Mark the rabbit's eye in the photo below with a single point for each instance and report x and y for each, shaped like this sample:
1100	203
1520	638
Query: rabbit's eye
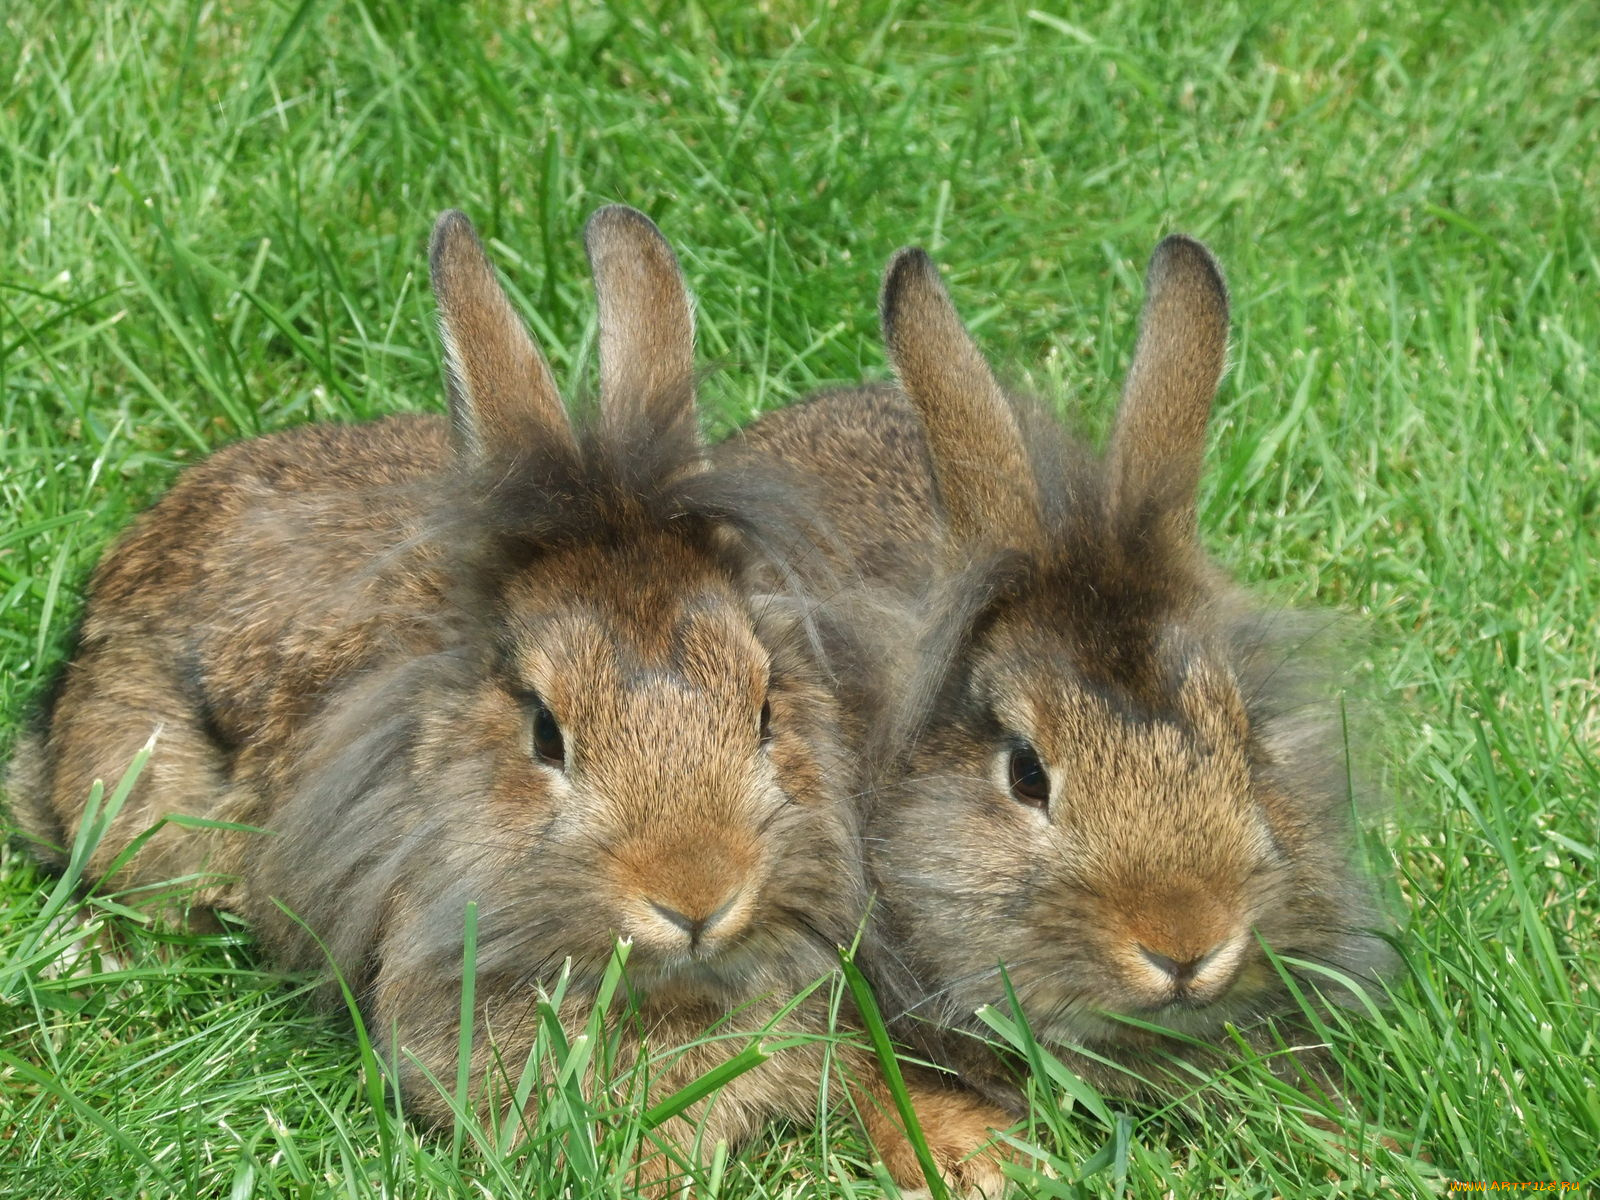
546	734
1030	782
766	722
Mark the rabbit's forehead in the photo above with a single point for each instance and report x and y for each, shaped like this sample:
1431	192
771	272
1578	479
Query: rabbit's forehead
1106	743
705	646
1031	673
1097	743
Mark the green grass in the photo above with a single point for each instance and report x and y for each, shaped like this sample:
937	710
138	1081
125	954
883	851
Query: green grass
214	219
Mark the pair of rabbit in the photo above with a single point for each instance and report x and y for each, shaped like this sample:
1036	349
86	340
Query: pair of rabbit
579	676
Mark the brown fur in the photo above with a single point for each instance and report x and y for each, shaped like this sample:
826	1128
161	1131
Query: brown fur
496	398
343	637
978	456
877	502
1160	436
1198	802
951	1126
646	343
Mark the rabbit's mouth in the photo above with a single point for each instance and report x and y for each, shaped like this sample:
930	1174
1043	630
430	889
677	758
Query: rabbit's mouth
1105	1019
712	974
754	964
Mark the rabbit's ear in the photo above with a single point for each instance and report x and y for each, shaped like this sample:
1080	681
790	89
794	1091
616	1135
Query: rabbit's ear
1160	434
985	478
646	322
501	389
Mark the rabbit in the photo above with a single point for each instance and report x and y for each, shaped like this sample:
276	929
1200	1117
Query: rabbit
509	659
1107	778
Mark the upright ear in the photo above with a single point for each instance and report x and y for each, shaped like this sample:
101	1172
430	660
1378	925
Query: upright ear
501	388
646	322
985	478
1160	434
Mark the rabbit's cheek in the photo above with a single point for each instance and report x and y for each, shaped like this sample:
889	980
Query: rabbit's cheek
529	795
518	790
788	773
1256	978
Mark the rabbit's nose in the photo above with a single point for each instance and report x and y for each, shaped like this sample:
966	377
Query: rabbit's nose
1180	972
699	924
1194	972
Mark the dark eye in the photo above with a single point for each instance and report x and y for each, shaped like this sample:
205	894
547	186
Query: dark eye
766	722
1030	782
545	733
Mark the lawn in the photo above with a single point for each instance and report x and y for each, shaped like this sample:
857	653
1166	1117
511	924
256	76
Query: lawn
214	219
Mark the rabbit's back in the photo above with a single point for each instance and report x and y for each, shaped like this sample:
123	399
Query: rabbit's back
864	455
218	622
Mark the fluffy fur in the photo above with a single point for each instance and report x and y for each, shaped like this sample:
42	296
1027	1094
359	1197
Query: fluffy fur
499	661
1195	802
